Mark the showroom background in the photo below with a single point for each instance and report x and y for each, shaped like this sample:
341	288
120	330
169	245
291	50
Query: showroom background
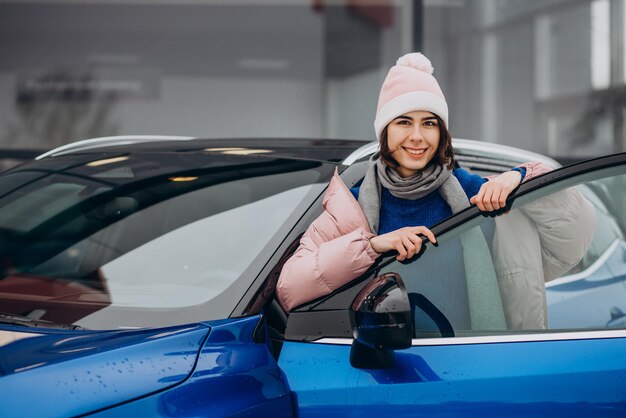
546	75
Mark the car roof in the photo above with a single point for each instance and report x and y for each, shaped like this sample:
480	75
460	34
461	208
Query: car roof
323	150
477	155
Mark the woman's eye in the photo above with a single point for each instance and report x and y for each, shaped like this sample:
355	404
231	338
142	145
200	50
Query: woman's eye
430	123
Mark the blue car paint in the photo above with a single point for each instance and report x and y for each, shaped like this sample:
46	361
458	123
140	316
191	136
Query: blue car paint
55	373
234	376
483	380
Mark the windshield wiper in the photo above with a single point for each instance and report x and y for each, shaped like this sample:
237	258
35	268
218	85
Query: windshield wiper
9	318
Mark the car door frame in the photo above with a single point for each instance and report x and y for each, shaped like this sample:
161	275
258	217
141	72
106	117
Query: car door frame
322	328
303	316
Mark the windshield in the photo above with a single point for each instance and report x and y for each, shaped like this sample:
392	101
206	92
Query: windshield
112	246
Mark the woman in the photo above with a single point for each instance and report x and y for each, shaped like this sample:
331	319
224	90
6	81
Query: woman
410	186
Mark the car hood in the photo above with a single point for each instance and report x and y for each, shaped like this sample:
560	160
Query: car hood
75	372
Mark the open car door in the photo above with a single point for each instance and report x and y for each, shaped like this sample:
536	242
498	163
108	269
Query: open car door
515	315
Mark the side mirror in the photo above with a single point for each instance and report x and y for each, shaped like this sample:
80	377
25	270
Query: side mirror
381	322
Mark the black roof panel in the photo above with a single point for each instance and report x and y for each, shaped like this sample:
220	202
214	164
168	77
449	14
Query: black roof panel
311	149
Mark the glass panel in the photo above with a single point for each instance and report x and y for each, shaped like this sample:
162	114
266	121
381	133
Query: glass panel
568	65
149	253
554	262
593	293
580	133
543	75
442	275
499	11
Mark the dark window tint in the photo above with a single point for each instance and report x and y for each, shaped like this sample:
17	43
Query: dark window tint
158	251
554	262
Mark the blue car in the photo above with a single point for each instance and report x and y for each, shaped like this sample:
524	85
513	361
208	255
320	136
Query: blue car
137	279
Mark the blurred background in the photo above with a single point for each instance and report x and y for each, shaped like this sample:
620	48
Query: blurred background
545	75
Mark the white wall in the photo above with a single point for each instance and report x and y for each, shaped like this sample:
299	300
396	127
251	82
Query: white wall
222	107
351	106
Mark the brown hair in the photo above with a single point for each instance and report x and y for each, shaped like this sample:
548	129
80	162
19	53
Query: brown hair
444	155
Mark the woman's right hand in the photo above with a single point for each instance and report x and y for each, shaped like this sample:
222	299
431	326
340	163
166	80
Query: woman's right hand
406	241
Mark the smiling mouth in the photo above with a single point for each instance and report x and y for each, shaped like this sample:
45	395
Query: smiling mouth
415	151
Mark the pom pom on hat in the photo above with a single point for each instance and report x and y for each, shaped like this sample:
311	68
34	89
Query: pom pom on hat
416	60
408	87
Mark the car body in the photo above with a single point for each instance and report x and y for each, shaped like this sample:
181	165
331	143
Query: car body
138	277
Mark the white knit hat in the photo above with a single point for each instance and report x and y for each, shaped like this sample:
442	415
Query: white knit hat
408	87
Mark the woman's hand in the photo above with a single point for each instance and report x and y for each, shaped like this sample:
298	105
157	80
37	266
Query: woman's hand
493	194
406	241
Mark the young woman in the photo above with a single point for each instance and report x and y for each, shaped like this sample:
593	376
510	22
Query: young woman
411	185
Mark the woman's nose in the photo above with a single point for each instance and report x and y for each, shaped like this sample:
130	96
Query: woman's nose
416	134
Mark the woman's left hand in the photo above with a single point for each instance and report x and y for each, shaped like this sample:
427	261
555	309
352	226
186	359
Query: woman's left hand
493	194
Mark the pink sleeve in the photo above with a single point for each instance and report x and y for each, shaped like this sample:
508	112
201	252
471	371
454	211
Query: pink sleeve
534	169
323	262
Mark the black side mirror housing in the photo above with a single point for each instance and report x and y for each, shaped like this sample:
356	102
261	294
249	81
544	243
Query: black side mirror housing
381	322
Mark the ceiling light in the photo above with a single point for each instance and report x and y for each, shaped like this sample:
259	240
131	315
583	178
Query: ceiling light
181	178
106	161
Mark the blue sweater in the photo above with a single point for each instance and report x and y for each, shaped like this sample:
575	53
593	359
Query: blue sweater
428	211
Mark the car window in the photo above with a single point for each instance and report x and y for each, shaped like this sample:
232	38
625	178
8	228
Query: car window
554	262
152	252
10	181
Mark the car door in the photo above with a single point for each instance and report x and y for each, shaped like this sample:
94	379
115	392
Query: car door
490	337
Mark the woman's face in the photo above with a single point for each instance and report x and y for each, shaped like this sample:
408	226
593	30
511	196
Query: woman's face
413	139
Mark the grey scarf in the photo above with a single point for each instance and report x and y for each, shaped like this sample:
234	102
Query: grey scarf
483	292
432	178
